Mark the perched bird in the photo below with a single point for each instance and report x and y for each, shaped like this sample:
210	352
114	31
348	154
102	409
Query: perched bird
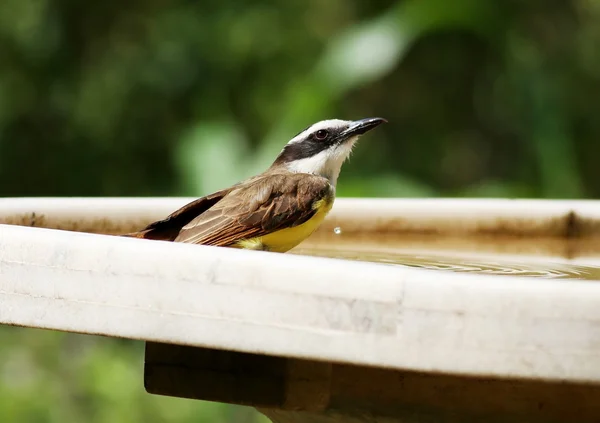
277	209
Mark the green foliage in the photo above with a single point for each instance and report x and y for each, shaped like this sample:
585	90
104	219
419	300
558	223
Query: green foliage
54	377
140	99
175	97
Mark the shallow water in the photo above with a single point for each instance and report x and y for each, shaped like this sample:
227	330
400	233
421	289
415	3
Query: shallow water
553	259
492	265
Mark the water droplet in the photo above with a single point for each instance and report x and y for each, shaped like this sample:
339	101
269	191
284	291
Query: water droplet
337	230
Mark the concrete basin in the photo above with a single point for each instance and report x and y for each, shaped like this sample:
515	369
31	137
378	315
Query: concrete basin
395	310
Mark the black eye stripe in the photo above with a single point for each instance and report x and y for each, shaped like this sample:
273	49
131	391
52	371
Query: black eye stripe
307	147
304	149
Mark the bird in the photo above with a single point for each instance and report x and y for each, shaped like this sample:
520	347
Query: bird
275	210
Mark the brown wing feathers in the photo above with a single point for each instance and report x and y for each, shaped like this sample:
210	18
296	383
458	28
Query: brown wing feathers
255	208
270	203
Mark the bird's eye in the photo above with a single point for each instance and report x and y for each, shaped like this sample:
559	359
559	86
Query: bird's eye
321	134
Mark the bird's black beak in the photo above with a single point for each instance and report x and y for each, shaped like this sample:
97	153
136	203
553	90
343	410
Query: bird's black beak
359	127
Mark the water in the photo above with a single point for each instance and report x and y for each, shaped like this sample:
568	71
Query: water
551	258
491	265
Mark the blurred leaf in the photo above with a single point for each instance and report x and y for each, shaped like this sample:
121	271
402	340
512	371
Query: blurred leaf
211	156
360	55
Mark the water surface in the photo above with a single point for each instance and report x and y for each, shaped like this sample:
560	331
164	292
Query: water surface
541	258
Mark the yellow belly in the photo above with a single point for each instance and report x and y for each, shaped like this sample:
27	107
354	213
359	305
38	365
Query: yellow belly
286	239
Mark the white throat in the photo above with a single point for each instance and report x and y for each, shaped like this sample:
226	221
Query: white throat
326	163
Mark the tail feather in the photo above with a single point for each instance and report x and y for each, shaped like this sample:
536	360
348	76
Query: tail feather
168	228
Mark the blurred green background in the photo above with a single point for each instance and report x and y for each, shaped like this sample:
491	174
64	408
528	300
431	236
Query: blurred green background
179	97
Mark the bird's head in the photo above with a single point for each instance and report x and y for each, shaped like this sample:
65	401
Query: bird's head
322	148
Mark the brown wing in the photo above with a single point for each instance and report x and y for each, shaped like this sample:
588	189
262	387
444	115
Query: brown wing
266	204
168	228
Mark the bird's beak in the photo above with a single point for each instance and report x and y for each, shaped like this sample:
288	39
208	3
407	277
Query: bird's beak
359	127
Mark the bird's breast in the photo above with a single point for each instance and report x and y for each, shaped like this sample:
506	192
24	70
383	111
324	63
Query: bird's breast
285	239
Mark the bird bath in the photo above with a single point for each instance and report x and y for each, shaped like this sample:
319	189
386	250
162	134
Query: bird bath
416	311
